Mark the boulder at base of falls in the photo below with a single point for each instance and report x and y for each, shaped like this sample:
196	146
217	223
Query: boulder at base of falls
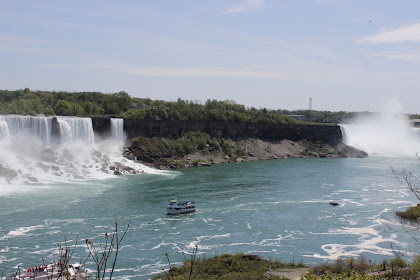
7	173
117	172
32	179
348	151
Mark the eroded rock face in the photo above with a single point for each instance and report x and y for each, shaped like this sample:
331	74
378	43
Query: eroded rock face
252	149
56	132
348	151
330	134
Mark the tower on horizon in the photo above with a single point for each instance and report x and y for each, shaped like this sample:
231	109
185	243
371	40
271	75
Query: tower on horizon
310	103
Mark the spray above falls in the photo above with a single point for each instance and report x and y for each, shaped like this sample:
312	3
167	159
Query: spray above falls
60	149
383	134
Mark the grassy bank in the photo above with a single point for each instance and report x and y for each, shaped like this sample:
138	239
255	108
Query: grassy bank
226	266
241	266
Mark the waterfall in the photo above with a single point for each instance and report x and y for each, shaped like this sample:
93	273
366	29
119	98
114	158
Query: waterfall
4	129
386	137
39	149
72	128
22	126
117	131
75	129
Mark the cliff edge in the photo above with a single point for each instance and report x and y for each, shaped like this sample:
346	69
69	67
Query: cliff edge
168	144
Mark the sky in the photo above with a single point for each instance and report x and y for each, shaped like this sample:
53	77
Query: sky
353	55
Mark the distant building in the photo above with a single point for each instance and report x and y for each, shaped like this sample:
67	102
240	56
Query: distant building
298	117
415	122
134	106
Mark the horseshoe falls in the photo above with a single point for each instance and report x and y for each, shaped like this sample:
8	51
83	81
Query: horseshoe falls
383	135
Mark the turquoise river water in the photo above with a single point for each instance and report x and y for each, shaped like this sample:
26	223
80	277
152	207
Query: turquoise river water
276	209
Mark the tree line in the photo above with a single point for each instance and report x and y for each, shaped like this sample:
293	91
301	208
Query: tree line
211	110
121	104
27	102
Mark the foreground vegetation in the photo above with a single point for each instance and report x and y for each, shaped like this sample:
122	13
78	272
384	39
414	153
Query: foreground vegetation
242	266
361	269
411	214
226	266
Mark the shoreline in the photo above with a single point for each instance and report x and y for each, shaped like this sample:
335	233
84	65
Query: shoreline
251	149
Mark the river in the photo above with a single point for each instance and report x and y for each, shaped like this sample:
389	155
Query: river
276	209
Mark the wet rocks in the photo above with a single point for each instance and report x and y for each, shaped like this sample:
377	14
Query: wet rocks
8	173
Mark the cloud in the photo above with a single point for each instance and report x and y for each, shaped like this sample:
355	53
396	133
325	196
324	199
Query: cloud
409	33
193	72
20	40
407	56
245	7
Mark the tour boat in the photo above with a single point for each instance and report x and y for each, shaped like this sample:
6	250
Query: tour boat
175	207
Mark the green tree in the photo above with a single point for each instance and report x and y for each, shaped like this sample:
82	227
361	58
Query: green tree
63	108
48	111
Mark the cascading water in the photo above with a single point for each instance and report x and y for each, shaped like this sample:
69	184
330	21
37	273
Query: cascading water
383	134
59	149
4	129
75	129
22	126
117	131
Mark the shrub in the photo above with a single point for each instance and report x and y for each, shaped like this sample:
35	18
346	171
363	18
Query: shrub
412	213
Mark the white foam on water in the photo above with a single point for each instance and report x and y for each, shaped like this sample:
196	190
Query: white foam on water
209	237
325	217
253	243
354	202
368	242
207	221
47	252
24	231
4	259
161	244
258	252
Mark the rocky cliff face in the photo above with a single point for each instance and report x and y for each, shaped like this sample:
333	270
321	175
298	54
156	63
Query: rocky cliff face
246	141
101	126
329	134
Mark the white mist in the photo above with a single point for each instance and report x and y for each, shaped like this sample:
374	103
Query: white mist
29	155
385	134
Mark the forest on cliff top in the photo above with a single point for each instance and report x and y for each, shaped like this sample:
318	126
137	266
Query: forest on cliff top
121	104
